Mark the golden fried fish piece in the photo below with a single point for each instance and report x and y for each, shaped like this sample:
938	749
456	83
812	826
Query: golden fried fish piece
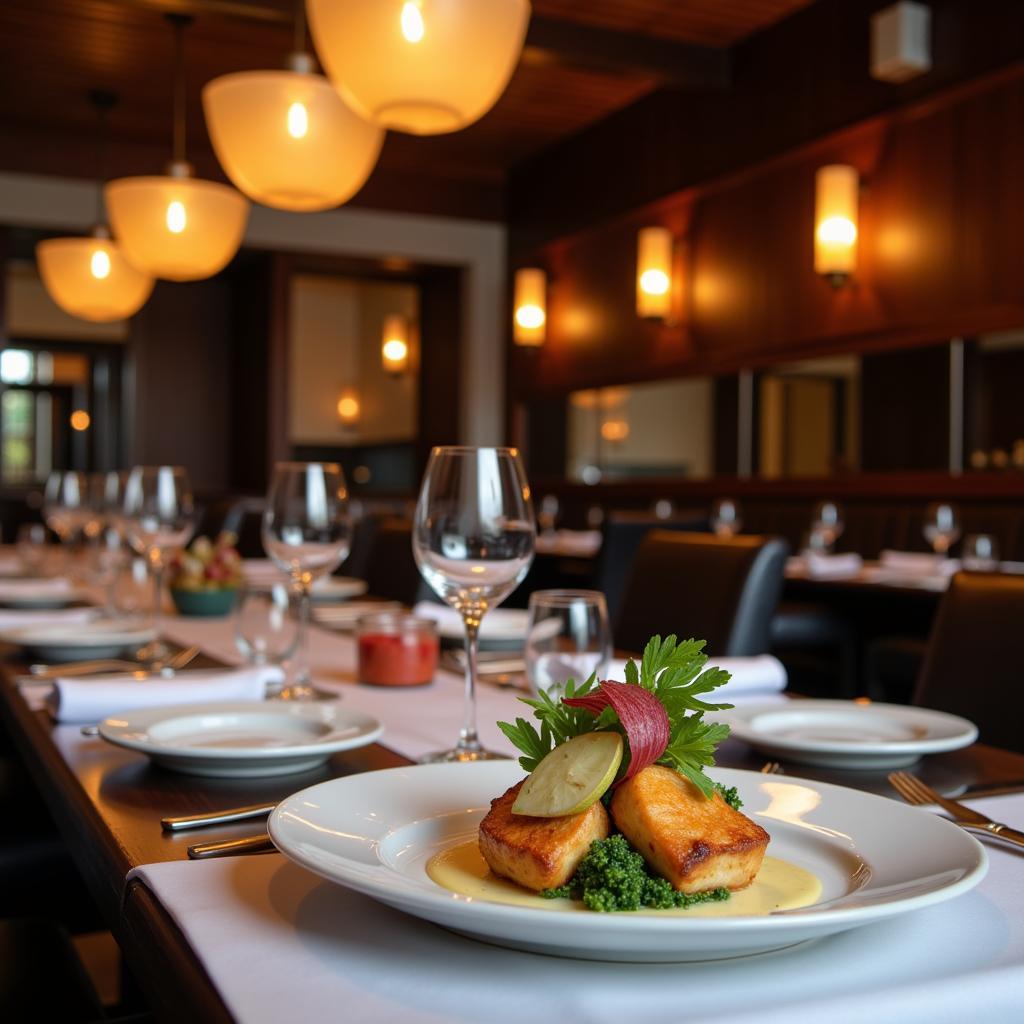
696	843
538	853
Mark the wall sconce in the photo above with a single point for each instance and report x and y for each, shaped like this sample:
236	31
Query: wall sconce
530	304
394	345
348	409
615	431
654	273
835	222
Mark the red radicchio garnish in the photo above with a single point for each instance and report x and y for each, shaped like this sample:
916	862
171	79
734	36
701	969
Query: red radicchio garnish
642	715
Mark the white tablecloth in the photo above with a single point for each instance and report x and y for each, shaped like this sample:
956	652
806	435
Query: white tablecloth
281	945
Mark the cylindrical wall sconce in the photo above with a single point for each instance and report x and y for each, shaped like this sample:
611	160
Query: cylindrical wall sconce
654	273
835	222
394	344
530	307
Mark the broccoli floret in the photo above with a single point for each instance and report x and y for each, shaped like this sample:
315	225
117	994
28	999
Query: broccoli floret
731	795
613	876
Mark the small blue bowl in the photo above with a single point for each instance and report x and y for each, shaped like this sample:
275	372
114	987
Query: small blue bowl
204	602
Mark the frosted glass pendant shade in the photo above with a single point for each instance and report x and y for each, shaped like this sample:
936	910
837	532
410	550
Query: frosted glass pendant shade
178	228
90	278
420	66
286	139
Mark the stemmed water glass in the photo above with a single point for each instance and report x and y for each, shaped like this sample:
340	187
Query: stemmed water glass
307	533
266	631
159	517
826	525
473	540
567	636
726	518
941	527
104	554
65	499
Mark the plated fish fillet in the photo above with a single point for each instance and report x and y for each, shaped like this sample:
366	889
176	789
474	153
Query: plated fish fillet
538	853
696	843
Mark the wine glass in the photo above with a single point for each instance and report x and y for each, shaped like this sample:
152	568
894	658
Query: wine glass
567	636
266	631
473	540
158	521
941	527
980	553
307	533
65	499
547	517
726	518
32	548
826	525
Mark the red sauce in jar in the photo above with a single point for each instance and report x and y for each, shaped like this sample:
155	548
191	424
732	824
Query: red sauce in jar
401	651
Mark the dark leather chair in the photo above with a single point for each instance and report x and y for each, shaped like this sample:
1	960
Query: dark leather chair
722	590
804	628
391	570
621	535
975	661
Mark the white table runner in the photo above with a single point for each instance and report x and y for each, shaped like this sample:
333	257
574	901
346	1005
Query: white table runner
326	954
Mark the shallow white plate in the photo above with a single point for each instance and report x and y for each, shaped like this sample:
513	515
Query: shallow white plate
336	588
845	734
500	625
875	858
242	738
101	638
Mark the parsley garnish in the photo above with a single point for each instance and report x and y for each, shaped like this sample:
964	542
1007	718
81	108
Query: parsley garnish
675	674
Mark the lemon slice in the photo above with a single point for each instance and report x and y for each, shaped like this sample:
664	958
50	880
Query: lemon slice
572	777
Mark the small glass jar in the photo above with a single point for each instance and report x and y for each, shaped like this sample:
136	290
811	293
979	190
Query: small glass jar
396	649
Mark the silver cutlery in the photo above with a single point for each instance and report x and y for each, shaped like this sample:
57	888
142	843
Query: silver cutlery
228	847
914	791
180	824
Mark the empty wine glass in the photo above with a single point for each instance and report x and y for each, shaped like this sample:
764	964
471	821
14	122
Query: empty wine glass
567	636
941	527
663	508
980	553
726	518
33	548
65	500
547	517
826	525
473	540
158	521
266	631
307	533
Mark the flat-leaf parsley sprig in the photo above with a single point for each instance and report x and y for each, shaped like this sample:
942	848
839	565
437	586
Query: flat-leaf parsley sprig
675	674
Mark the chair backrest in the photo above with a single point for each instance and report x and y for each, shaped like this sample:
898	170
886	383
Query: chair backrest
621	534
391	570
722	590
974	666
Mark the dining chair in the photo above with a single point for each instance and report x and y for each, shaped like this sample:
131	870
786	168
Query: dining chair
722	590
621	535
390	569
974	665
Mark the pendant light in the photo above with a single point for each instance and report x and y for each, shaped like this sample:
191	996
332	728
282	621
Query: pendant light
175	226
420	66
89	277
286	138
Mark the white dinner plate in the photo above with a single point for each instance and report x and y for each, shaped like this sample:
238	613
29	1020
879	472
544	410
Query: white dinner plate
262	574
39	598
875	858
506	626
241	739
101	638
845	734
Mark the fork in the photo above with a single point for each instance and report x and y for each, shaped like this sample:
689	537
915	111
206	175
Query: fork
914	791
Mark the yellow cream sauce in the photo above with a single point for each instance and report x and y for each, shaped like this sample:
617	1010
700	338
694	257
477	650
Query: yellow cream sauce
779	886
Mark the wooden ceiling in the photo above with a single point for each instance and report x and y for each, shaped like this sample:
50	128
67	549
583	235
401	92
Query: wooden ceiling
583	61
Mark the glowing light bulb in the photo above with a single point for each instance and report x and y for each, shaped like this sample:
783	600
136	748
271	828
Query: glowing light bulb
654	282
412	22
176	217
80	420
99	264
838	230
298	121
530	316
395	350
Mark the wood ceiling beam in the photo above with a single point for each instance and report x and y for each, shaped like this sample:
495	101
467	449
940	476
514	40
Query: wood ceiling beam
675	64
549	41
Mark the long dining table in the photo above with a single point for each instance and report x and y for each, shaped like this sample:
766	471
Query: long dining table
108	801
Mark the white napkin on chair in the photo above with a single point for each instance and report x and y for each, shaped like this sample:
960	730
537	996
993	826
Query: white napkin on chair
91	699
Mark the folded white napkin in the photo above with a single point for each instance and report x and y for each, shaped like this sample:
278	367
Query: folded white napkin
15	618
918	563
820	566
32	588
91	699
763	674
497	624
